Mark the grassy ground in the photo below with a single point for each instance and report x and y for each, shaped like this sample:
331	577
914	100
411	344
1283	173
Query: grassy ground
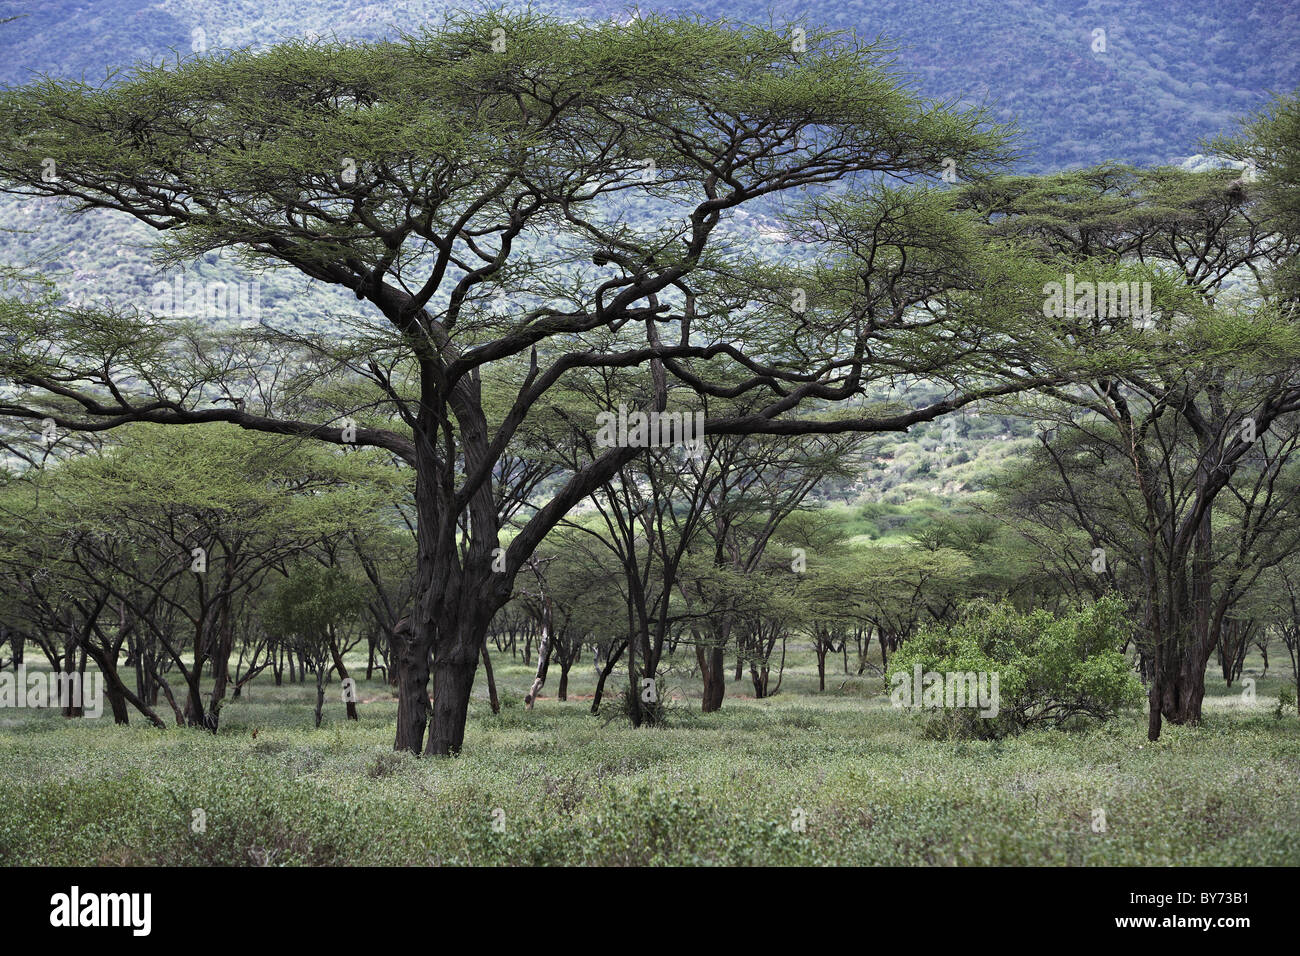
725	788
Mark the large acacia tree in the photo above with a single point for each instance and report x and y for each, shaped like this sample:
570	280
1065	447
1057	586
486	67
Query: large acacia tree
1202	408
516	200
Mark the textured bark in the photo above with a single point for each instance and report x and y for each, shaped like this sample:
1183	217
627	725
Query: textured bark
225	639
713	670
410	657
453	681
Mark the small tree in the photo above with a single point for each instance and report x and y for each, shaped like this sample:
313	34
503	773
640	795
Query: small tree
1049	669
309	609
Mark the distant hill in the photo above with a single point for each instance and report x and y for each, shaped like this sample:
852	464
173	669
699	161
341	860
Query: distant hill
1161	76
1172	71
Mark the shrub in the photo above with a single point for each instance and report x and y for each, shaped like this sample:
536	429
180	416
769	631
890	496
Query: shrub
1050	670
1286	700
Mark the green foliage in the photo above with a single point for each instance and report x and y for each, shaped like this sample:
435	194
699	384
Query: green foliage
1286	702
1051	669
312	600
721	790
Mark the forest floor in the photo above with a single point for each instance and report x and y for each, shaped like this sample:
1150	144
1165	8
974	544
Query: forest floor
804	777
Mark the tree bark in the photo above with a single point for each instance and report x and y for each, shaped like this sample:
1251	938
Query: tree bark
493	699
343	675
713	669
453	681
410	657
605	671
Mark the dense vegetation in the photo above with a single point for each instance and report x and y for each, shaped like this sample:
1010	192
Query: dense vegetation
680	421
718	788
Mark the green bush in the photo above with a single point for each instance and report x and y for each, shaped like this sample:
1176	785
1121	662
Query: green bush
1286	701
1049	670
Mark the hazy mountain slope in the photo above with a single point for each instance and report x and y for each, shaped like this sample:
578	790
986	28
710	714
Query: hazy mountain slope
1172	71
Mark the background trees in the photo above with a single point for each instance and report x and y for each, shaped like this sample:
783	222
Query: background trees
459	182
1198	408
542	221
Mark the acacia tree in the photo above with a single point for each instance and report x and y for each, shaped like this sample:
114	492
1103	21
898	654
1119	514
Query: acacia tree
310	608
471	185
1213	366
167	532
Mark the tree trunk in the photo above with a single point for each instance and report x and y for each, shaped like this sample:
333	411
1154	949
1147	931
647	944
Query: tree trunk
453	681
713	668
605	671
350	701
225	641
410	656
493	699
320	692
543	654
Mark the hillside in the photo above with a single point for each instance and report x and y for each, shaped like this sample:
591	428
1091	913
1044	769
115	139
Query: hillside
1170	74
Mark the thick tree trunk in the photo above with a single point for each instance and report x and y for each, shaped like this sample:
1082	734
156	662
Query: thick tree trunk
410	656
713	667
194	713
1182	692
117	701
453	681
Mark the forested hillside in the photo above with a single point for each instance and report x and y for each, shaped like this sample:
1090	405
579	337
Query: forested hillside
1172	71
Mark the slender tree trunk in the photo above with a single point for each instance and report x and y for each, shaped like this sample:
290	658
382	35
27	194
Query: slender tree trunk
605	671
493	699
320	691
543	653
349	700
224	644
